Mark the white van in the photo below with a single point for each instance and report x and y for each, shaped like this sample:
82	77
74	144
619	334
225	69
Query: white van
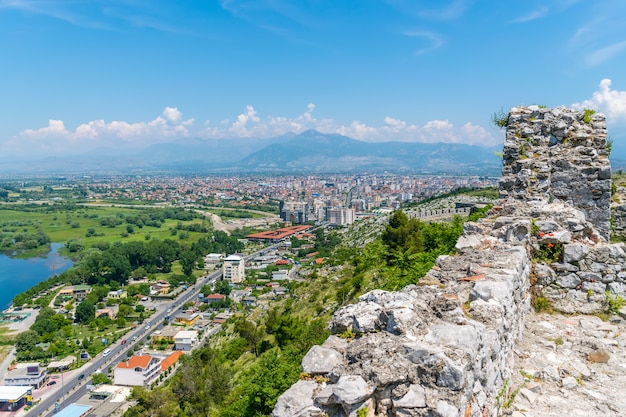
106	352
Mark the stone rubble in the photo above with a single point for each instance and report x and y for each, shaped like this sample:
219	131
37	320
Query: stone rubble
574	366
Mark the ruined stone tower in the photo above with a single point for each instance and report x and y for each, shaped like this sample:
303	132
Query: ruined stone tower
559	154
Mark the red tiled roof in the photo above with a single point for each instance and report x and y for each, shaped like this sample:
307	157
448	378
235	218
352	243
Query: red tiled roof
282	262
279	233
141	361
170	360
216	297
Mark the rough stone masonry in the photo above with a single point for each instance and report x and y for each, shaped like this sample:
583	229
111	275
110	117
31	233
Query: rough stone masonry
445	346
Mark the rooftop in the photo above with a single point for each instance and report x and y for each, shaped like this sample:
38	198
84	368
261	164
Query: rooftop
75	410
141	361
9	393
279	234
170	360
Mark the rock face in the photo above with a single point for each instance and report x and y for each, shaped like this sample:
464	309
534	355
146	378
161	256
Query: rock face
559	155
446	347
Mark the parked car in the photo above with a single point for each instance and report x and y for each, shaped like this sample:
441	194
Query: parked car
81	377
51	383
134	338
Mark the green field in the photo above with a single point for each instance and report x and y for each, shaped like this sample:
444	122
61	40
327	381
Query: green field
64	225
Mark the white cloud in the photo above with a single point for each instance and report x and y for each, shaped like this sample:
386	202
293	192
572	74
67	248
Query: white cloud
54	128
610	102
533	15
434	40
604	54
57	139
172	114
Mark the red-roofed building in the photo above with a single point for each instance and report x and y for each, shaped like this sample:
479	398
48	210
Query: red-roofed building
137	371
215	298
281	262
279	234
319	260
170	360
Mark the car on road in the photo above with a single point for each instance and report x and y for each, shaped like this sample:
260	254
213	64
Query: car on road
123	341
134	338
81	377
51	383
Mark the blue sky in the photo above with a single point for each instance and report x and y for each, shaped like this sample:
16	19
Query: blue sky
79	75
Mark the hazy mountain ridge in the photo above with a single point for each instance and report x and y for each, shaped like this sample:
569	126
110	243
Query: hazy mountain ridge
310	151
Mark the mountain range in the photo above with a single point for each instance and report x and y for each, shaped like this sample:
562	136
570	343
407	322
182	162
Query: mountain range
310	151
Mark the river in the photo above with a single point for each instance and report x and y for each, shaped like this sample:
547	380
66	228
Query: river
18	275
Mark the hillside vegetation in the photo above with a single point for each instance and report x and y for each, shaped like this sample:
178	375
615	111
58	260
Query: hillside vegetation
257	357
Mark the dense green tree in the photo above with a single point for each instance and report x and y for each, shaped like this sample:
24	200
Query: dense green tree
250	332
258	387
26	340
188	260
222	287
202	382
85	311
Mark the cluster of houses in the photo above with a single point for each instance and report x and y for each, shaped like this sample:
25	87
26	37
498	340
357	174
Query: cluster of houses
181	334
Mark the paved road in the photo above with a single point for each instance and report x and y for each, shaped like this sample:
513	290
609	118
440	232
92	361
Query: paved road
74	388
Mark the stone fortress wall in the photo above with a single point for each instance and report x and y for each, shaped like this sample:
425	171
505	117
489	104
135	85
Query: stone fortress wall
445	347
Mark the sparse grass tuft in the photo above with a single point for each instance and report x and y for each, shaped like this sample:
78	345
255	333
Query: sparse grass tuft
588	114
500	119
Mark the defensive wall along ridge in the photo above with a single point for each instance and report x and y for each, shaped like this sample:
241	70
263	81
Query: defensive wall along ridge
445	347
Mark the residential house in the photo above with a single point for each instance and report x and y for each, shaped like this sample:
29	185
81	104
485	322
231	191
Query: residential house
249	300
237	295
160	288
170	360
186	340
117	295
137	371
187	319
214	298
166	333
221	318
81	291
280	275
213	258
279	291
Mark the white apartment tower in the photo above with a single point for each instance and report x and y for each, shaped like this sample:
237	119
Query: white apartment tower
233	269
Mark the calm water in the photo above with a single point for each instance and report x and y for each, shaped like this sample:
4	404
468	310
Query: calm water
18	275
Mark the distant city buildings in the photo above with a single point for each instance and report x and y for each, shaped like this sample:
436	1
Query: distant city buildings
340	216
294	212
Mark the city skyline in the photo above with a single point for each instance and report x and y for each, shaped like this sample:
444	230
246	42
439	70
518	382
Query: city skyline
122	74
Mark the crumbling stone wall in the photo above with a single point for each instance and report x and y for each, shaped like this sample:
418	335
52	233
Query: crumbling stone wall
441	348
559	154
444	347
